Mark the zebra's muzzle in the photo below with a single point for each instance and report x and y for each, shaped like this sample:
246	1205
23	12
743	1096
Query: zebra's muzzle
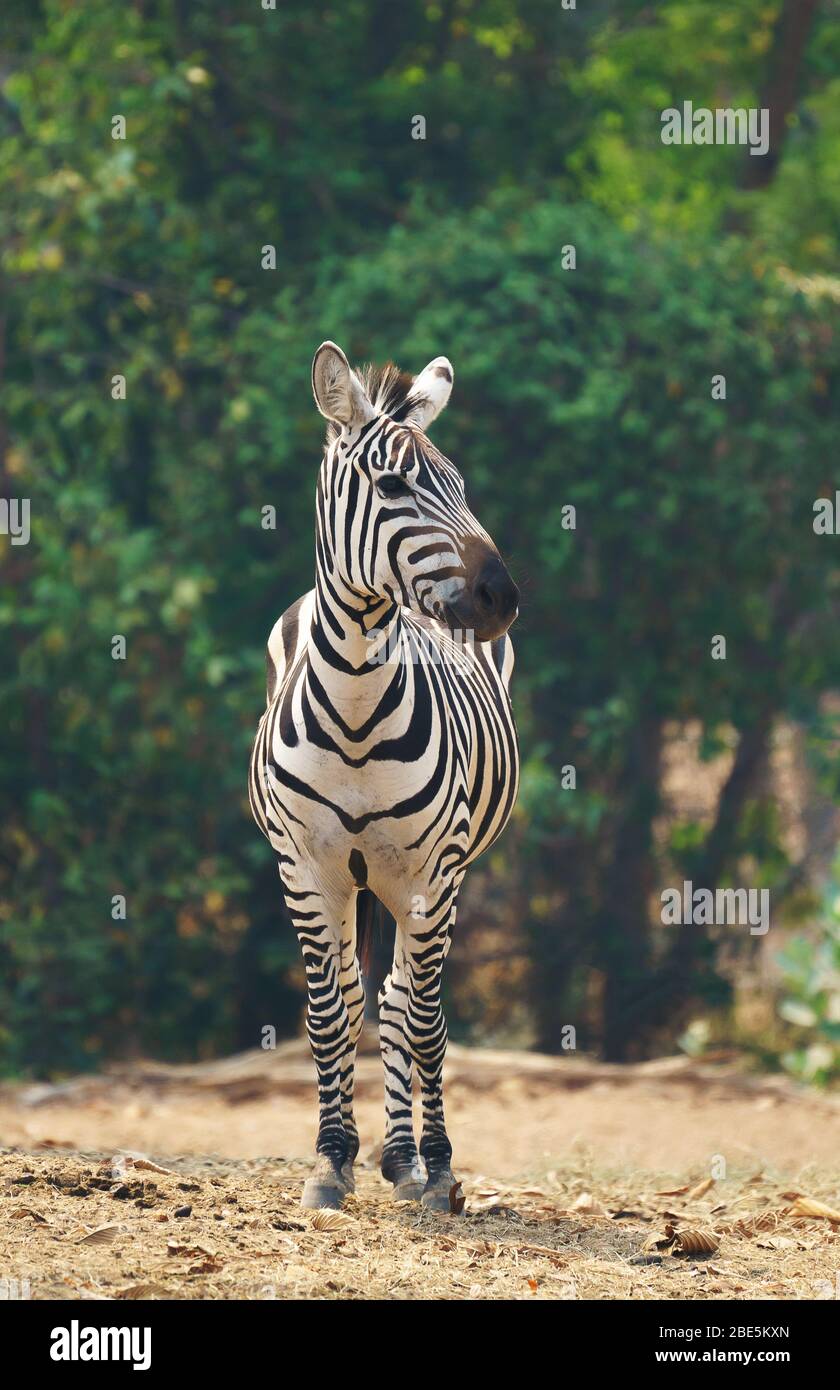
488	603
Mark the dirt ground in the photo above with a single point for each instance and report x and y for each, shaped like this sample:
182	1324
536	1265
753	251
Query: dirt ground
667	1180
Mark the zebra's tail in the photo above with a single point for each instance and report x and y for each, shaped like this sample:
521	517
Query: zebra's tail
370	921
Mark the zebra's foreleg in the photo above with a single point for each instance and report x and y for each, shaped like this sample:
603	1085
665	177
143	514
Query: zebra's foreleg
425	1031
353	993
330	1034
400	1159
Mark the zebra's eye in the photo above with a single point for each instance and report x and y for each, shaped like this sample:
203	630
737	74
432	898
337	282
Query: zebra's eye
392	485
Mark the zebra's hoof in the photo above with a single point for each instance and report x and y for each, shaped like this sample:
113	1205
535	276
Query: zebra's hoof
438	1194
435	1200
409	1190
322	1194
347	1175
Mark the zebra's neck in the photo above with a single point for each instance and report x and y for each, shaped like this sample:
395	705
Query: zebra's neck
352	632
352	627
347	645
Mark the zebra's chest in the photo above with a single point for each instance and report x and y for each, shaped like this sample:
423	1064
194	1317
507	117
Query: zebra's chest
325	781
334	814
425	772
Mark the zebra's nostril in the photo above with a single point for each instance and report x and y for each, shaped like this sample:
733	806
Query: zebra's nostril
494	594
485	597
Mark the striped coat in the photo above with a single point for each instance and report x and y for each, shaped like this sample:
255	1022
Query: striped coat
386	758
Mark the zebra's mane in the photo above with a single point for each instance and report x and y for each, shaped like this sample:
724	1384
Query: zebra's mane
387	388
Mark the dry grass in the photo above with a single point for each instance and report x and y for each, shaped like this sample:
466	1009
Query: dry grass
574	1210
75	1230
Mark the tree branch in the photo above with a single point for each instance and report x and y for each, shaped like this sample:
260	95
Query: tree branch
779	92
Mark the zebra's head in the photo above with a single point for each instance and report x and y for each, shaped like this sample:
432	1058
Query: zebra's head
393	519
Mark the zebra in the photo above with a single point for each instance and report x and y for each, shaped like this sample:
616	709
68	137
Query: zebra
386	760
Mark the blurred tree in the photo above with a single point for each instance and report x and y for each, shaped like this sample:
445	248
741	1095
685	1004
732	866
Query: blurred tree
780	88
590	387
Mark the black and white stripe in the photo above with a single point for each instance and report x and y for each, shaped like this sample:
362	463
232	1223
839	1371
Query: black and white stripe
387	757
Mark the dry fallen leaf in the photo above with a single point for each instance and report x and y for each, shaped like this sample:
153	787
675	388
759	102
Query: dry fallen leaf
102	1235
176	1247
325	1219
586	1203
694	1242
659	1240
672	1192
456	1199
687	1241
20	1212
809	1206
700	1190
488	1204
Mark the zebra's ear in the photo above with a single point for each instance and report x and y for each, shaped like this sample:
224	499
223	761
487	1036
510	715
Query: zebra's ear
338	393
430	392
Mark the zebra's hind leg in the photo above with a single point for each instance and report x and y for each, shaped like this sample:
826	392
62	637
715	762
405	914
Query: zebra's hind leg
400	1160
316	920
426	945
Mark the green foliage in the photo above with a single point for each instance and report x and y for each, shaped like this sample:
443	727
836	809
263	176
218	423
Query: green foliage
811	978
587	387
